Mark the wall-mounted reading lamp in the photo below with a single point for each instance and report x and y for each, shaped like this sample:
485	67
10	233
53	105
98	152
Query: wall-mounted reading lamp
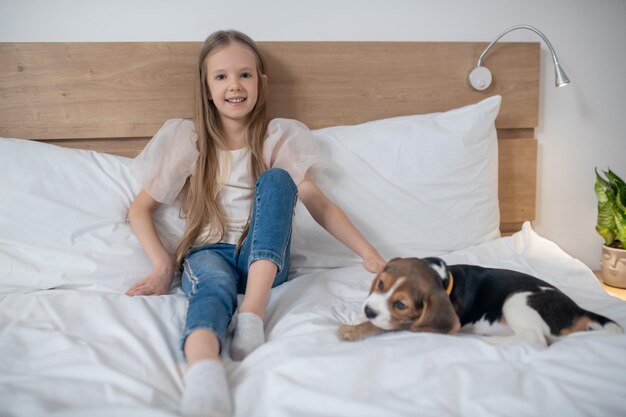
480	77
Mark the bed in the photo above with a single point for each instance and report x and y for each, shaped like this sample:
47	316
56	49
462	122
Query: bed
421	163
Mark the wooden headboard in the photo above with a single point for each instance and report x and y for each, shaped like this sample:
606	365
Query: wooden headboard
112	97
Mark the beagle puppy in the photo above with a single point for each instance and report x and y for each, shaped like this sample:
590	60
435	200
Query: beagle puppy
427	295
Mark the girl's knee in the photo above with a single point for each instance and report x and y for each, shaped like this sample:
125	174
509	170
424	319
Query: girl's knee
276	177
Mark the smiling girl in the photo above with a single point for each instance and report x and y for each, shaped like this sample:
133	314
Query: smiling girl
238	178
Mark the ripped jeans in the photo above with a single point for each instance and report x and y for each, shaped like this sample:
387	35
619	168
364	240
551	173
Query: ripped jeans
214	274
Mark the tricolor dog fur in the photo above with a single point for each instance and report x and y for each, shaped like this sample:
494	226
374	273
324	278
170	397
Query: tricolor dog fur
427	295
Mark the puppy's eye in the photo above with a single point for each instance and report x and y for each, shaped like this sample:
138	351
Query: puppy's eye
399	305
381	284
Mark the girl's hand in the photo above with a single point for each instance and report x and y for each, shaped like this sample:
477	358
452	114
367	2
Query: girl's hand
374	263
157	282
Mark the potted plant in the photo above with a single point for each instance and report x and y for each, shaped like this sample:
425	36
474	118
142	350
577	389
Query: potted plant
611	194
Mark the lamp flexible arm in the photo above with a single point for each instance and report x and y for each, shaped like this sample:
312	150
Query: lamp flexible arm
480	77
534	29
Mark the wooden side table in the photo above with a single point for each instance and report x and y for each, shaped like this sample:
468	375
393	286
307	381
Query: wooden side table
619	292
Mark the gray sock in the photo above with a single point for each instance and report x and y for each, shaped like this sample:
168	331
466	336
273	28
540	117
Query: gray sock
206	391
248	335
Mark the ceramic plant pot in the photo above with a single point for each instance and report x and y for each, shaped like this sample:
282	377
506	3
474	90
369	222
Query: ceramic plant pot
613	266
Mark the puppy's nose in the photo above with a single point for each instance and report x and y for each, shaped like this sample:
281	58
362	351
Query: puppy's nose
369	313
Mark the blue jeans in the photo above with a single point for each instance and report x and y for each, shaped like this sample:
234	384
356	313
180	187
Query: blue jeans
214	274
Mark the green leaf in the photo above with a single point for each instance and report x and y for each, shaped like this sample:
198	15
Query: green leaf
608	236
606	218
603	182
611	214
620	220
619	187
614	178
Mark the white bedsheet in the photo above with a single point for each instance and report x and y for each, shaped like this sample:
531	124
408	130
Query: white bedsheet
77	352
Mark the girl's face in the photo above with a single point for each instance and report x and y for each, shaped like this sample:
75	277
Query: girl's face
233	81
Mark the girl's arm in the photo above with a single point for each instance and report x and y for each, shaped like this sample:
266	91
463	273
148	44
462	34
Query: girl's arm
159	279
337	223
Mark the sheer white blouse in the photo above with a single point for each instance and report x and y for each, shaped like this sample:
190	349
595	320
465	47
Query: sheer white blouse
170	158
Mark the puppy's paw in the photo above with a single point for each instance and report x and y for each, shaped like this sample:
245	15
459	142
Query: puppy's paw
350	333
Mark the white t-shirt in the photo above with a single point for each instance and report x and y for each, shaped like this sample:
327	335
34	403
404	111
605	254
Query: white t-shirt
170	157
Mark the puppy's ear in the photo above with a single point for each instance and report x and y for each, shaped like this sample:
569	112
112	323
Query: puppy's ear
439	265
379	276
438	315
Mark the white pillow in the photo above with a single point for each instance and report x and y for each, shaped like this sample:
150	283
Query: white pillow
414	186
63	219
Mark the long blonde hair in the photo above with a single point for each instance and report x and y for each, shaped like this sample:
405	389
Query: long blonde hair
199	200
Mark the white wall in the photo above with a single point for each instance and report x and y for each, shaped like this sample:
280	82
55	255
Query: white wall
580	127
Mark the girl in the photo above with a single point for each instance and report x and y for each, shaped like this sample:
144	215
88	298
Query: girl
238	179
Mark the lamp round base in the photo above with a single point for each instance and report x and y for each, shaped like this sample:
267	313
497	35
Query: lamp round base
480	78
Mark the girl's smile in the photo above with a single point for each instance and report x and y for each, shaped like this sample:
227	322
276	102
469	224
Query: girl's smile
236	100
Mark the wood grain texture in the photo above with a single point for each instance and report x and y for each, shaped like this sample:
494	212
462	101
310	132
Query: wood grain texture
328	84
93	90
125	90
517	182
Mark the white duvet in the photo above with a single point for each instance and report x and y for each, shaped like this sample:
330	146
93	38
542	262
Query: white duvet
81	352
